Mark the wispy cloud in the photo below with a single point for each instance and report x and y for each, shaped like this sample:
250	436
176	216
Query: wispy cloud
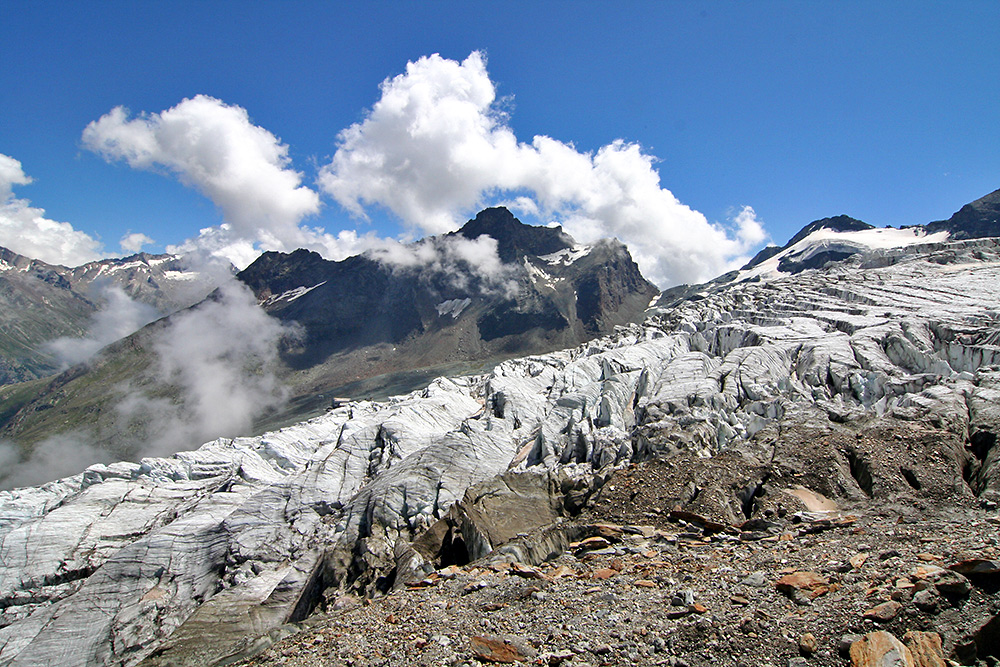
118	317
219	361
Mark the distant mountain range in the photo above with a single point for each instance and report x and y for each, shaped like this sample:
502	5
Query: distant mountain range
373	324
41	302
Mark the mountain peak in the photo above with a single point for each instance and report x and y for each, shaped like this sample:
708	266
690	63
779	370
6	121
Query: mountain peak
838	223
977	219
514	238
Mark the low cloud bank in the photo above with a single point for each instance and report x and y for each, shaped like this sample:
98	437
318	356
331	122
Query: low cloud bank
219	359
212	372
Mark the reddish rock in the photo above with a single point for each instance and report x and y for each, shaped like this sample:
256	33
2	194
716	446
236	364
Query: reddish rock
884	612
811	584
926	648
496	650
880	649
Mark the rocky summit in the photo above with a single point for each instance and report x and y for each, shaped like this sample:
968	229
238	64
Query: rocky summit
783	469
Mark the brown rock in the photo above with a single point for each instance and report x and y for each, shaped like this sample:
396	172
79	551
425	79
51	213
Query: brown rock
884	612
496	650
590	543
858	559
604	573
526	571
925	648
880	649
645	583
976	566
811	584
562	571
808	644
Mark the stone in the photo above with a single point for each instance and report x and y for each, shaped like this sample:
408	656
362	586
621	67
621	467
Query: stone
755	580
951	584
880	649
857	560
490	649
808	644
926	600
810	584
926	648
884	612
977	566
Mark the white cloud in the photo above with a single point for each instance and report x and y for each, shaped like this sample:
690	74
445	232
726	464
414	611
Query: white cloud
220	356
455	257
11	174
118	317
435	146
133	242
25	229
215	148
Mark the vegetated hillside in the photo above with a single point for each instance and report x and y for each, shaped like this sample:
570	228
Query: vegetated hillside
369	327
806	454
42	302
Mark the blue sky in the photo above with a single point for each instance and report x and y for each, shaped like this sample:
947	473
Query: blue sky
884	111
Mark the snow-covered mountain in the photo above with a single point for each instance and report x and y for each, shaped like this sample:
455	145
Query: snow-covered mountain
875	376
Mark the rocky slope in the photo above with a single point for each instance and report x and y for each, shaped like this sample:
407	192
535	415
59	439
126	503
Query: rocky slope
41	302
869	386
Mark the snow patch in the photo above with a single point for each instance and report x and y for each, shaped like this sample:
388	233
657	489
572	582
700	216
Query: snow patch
567	256
181	275
126	266
824	240
453	307
290	295
538	276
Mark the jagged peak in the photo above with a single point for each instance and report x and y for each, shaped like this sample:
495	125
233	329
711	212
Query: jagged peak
514	238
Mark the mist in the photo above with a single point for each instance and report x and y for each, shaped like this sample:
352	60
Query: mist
118	317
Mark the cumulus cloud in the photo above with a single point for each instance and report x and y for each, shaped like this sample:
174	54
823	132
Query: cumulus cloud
25	229
215	148
436	145
133	242
119	316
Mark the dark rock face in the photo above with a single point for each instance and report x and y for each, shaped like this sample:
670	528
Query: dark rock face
363	317
515	239
838	223
980	219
